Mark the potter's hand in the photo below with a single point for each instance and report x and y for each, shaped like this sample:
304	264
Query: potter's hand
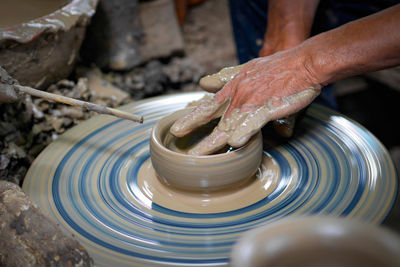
7	91
263	89
272	87
213	83
289	24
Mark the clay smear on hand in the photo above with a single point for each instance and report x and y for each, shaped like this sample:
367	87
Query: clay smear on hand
237	128
240	125
205	110
212	83
186	143
19	11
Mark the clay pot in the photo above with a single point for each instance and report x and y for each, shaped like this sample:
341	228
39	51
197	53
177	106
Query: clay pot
207	173
40	40
317	241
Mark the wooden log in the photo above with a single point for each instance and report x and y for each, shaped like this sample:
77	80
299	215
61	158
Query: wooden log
29	238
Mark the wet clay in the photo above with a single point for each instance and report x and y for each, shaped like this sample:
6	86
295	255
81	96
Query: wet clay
237	128
42	50
13	12
212	83
186	143
241	124
205	110
72	13
192	172
237	196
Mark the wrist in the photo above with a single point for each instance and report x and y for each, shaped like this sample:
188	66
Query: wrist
321	61
312	70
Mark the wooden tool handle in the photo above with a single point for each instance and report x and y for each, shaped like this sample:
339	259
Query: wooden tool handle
75	102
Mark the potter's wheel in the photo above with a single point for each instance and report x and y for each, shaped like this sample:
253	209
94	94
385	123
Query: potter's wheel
97	182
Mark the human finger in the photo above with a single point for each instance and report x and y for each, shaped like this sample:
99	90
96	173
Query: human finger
210	144
214	82
249	125
221	134
207	110
256	119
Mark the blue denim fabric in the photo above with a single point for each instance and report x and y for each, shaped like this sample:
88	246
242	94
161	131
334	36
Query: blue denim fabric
249	22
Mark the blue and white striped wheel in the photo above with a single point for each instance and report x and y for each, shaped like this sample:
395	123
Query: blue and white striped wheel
96	181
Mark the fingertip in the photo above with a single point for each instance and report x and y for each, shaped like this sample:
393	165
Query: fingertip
176	130
210	84
210	144
198	150
239	141
182	126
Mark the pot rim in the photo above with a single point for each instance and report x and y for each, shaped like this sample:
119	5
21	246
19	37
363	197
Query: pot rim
156	136
73	13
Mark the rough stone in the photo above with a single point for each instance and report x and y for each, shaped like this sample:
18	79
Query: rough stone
29	238
29	125
43	60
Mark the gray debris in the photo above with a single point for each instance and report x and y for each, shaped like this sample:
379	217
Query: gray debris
28	126
157	77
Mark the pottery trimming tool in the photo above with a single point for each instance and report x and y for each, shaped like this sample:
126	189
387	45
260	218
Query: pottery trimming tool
8	81
75	102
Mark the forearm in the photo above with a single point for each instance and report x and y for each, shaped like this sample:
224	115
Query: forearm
365	45
289	22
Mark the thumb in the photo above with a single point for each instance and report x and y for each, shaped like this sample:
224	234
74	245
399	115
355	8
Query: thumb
214	82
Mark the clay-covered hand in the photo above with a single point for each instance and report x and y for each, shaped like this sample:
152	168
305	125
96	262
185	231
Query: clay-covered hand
262	90
213	83
283	126
7	91
289	24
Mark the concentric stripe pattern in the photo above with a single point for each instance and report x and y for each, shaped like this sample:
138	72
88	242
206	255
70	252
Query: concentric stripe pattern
87	181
